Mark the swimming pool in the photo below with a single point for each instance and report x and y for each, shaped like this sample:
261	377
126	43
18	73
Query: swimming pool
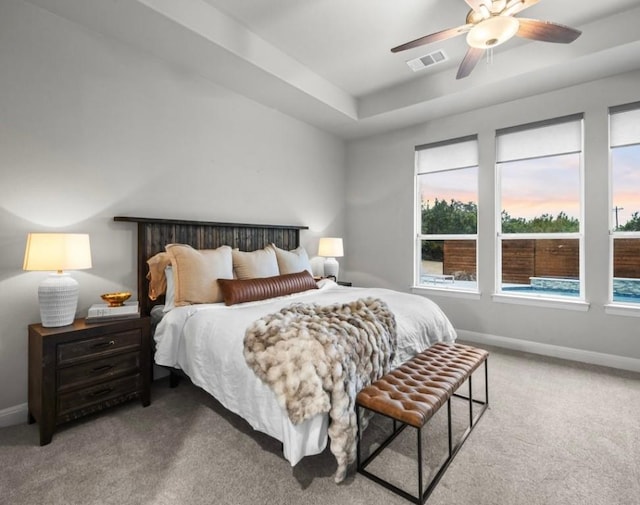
624	290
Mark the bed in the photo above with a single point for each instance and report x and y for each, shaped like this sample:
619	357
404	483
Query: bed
205	340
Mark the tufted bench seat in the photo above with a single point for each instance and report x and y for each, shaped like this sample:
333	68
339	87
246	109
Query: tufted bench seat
412	393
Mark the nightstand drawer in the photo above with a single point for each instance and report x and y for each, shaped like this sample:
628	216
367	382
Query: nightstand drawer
98	370
83	401
103	345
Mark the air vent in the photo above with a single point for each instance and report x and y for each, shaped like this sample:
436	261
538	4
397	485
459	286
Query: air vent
427	60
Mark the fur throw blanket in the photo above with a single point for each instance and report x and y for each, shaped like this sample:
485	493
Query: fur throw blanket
317	358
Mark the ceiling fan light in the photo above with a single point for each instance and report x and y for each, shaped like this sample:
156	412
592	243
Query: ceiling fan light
492	32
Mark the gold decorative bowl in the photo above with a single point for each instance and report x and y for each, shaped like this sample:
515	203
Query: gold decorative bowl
116	299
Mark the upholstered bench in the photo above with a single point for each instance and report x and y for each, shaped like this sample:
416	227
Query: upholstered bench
412	393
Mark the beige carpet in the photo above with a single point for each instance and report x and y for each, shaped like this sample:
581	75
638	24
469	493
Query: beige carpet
556	433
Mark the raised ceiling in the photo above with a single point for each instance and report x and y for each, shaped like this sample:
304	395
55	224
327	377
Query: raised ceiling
328	62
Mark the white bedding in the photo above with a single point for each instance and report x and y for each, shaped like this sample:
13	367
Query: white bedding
206	342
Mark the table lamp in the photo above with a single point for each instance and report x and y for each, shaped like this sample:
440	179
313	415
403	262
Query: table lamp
57	293
331	248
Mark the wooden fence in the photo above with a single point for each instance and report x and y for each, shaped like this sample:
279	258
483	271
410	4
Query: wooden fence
626	256
522	259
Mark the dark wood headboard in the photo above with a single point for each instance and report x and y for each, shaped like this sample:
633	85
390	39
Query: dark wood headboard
154	234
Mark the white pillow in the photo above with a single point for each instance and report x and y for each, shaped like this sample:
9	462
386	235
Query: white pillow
254	264
169	296
292	262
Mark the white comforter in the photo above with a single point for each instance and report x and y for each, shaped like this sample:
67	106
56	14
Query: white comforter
206	342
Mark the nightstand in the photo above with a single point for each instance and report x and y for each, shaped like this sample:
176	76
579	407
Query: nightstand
82	368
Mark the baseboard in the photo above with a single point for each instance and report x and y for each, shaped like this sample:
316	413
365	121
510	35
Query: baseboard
18	413
569	353
13	415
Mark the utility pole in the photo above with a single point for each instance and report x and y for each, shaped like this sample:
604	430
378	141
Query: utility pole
616	209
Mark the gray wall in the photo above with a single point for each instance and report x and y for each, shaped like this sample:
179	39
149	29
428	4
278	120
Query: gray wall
90	129
380	217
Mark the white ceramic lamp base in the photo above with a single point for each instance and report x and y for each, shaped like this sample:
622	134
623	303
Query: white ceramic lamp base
58	297
331	267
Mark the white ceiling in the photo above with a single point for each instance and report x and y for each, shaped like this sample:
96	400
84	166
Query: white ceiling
328	62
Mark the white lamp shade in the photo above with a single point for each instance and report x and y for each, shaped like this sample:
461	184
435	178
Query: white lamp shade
330	247
57	251
58	293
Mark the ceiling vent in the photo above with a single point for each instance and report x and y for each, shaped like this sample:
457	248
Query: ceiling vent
427	60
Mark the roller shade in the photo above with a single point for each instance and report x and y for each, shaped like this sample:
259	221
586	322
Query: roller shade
537	140
624	125
456	153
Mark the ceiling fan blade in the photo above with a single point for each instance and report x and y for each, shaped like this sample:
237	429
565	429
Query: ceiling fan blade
546	31
434	37
477	4
469	62
515	6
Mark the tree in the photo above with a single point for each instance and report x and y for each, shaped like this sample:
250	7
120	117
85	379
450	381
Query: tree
633	224
545	223
453	217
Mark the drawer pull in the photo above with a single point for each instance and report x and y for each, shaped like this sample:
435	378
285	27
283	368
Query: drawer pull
100	369
100	392
103	344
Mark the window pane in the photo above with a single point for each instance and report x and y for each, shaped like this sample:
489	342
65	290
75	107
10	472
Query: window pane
449	201
625	171
626	270
545	267
448	263
541	195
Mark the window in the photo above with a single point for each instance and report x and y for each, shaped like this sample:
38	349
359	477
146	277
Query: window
447	214
539	193
624	134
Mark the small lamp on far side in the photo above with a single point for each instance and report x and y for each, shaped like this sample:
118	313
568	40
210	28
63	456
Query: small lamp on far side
331	248
57	293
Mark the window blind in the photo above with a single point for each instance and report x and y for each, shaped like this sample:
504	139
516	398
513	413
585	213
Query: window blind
541	139
447	155
624	125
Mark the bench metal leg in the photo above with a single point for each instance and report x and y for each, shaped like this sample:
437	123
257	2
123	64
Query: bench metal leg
484	403
419	430
470	400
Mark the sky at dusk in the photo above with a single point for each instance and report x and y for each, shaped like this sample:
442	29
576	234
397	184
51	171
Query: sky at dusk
541	186
625	167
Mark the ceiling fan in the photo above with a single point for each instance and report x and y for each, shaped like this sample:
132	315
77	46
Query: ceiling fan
490	23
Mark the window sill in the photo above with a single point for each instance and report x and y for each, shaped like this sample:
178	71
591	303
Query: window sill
452	292
619	309
553	303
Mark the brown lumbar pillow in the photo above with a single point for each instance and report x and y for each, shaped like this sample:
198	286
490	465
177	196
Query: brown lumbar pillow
249	290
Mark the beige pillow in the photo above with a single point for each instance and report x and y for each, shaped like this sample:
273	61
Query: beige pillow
291	262
260	263
196	272
156	275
